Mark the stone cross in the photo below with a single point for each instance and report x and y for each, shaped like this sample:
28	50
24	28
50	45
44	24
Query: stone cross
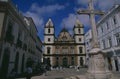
97	68
91	12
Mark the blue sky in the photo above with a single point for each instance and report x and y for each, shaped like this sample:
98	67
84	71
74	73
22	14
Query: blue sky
61	12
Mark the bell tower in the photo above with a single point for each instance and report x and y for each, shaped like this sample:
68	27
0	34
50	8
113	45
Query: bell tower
79	41
48	39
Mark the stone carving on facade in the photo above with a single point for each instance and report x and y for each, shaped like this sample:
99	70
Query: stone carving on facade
99	62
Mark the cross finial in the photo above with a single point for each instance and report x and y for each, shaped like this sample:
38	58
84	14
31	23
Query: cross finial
116	2
90	4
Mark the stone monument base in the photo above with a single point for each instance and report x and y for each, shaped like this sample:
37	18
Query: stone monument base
103	75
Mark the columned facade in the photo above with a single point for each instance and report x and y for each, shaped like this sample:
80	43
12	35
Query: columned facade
108	29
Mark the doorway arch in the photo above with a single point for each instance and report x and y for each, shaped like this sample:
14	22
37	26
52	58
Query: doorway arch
5	63
65	62
23	63
16	61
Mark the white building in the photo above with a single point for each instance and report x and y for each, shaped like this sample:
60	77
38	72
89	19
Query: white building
108	29
88	40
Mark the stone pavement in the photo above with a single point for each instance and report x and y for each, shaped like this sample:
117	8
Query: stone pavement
67	74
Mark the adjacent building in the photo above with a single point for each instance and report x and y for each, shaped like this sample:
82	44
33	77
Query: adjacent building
88	44
20	46
108	29
64	50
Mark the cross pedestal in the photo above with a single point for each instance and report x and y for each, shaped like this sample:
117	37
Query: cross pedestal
97	68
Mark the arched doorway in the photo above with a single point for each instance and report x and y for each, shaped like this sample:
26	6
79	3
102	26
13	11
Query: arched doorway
23	63
5	64
16	61
65	62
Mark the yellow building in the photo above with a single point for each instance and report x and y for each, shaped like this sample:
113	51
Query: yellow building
64	50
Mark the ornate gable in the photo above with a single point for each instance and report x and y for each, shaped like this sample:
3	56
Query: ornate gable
64	36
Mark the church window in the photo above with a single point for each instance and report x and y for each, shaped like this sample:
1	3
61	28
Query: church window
80	50
72	60
72	50
79	30
48	50
57	50
79	39
49	39
48	30
81	61
65	50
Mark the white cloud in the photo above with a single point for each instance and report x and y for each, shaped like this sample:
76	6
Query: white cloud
37	19
70	20
46	9
37	13
83	2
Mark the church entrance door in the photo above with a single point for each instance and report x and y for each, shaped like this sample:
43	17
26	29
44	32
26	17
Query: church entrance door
65	62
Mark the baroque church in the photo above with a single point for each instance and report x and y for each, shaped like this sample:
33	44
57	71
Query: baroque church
64	50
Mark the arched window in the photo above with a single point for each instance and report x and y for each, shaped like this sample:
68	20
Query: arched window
48	50
79	30
48	30
80	49
81	61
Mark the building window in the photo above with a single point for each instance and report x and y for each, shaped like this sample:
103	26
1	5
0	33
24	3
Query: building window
72	50
107	25
80	50
64	50
9	36
110	42
49	39
72	60
79	39
57	61
102	29
48	50
114	20
81	61
79	30
103	41
49	30
118	39
57	50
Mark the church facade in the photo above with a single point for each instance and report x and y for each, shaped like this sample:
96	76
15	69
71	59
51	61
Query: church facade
64	50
